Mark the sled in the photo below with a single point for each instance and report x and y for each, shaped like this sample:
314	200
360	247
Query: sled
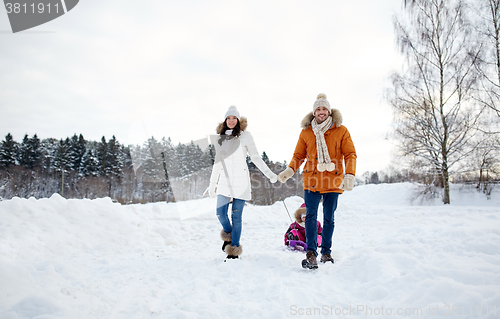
297	245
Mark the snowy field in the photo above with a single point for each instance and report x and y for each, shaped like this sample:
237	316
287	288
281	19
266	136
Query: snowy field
95	259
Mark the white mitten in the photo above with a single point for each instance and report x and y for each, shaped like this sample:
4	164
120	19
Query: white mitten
348	182
211	190
273	178
285	175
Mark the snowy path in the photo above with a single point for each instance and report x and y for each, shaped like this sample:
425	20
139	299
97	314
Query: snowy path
95	259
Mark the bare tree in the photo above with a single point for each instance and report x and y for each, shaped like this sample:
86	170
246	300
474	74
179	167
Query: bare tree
486	17
435	115
487	164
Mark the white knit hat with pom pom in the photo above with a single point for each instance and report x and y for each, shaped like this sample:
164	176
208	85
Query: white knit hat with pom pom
233	111
321	101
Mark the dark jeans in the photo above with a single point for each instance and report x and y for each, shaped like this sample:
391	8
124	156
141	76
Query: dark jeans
312	200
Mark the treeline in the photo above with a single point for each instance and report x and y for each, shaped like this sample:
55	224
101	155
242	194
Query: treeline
158	170
152	172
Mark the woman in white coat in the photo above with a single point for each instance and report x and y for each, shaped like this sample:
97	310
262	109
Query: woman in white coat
230	179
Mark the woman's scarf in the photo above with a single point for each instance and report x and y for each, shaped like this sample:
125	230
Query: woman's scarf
227	136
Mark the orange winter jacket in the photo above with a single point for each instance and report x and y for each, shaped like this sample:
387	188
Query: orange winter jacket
340	148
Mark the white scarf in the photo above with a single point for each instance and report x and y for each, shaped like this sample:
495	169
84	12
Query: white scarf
324	161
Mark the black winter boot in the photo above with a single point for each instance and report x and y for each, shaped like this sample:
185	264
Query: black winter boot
225	244
226	237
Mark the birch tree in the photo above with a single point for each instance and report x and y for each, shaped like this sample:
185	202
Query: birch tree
486	16
434	114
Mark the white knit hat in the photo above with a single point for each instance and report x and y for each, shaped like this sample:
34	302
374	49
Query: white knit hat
233	111
321	101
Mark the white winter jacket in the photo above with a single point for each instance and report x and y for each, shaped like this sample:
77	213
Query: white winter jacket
230	171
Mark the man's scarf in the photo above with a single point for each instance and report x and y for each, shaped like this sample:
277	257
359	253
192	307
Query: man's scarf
324	161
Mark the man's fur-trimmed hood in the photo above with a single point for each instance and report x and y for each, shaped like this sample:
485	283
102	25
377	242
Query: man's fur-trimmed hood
243	125
335	114
298	212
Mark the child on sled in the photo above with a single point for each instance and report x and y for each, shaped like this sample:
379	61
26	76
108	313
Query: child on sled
295	236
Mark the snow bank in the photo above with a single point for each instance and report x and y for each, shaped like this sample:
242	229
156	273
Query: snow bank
95	259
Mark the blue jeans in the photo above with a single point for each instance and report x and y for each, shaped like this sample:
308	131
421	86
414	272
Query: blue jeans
237	211
312	200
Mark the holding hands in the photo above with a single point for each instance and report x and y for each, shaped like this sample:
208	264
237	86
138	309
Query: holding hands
273	178
285	175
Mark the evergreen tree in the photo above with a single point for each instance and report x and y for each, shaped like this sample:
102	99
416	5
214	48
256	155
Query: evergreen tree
8	151
205	160
29	152
23	154
35	152
265	158
152	160
76	152
102	157
126	158
180	164
61	158
194	158
114	157
90	163
210	155
48	148
153	179
374	179
169	155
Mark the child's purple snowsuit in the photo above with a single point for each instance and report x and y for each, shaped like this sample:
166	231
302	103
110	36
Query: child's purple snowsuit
298	233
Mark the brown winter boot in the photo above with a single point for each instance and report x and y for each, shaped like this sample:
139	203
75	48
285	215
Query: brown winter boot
326	258
233	251
310	261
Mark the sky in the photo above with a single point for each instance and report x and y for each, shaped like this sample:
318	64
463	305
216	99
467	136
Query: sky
136	69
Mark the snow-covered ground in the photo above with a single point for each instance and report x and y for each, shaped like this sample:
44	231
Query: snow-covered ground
95	259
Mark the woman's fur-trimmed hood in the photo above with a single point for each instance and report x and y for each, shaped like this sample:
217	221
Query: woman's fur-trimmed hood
335	114
243	125
298	212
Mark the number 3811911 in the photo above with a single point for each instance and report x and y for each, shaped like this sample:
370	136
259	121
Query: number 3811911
463	310
32	8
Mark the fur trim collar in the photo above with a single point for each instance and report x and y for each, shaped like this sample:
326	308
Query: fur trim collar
243	125
335	114
298	212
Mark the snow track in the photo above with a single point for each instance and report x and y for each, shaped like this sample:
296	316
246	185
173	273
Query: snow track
95	259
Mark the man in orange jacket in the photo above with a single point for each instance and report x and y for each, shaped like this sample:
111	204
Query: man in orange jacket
326	146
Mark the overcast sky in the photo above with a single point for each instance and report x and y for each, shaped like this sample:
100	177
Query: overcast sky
136	69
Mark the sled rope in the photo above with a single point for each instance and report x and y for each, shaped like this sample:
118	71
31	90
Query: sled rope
287	211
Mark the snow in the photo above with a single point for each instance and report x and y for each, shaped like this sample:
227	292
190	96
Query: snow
64	258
